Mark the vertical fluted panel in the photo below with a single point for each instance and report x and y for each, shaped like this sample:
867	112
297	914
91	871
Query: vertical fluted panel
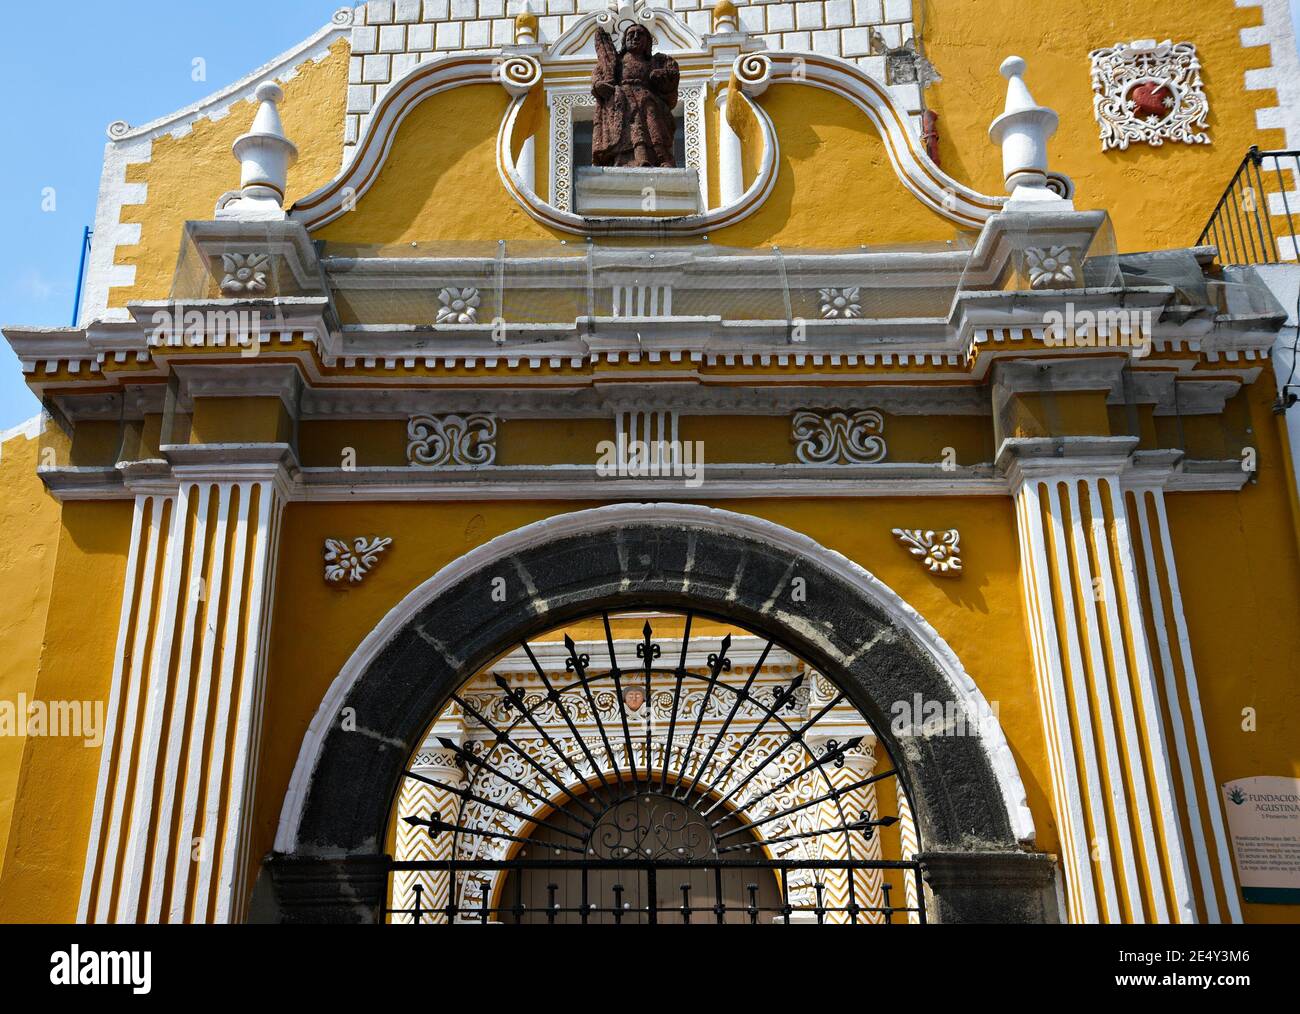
169	833
1122	838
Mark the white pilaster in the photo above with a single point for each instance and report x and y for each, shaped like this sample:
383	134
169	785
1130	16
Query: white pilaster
169	836
1123	844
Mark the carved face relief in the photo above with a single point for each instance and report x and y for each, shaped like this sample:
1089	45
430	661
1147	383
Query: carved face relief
638	40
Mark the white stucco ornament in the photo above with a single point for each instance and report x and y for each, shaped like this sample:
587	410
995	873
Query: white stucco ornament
837	304
620	15
245	273
439	441
1050	267
459	306
940	552
839	438
352	562
1149	92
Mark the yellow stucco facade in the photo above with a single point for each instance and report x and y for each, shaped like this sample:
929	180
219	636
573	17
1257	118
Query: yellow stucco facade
226	469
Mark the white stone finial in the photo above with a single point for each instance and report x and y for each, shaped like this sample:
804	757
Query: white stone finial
1023	131
265	155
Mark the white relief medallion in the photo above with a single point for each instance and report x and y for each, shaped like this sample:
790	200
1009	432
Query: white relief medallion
452	440
1050	268
940	552
458	306
841	304
1147	92
344	562
245	273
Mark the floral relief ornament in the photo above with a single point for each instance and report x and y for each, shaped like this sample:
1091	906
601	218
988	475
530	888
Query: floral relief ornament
1050	267
459	306
940	552
245	273
352	563
1147	92
841	303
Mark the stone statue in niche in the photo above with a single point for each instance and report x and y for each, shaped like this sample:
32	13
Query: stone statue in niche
636	93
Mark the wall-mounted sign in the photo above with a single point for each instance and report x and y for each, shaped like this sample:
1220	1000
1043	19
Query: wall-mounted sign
1264	818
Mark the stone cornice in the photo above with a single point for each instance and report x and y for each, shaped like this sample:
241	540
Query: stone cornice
277	463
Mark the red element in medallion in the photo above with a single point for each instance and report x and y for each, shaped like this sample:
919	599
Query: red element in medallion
1151	99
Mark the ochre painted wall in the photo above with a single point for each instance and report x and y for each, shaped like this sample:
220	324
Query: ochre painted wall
835	187
433	185
41	879
185	176
59	610
29	537
1157	197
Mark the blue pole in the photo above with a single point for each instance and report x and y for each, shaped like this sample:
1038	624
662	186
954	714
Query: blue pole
81	275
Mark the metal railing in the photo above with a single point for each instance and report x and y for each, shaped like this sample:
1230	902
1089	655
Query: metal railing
1255	221
643	893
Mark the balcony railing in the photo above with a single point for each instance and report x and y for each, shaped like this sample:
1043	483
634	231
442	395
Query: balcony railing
1255	222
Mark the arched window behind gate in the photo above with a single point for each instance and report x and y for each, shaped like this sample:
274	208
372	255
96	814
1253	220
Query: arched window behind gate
652	767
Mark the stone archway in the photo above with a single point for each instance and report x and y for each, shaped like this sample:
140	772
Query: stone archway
968	800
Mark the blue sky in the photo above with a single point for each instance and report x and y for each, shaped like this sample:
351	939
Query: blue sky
128	60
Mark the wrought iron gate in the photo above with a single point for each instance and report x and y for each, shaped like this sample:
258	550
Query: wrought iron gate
710	779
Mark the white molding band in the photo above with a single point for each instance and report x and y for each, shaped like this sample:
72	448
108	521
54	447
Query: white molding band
202	632
908	619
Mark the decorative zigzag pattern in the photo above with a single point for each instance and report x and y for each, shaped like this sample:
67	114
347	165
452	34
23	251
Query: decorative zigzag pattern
415	845
910	845
867	884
